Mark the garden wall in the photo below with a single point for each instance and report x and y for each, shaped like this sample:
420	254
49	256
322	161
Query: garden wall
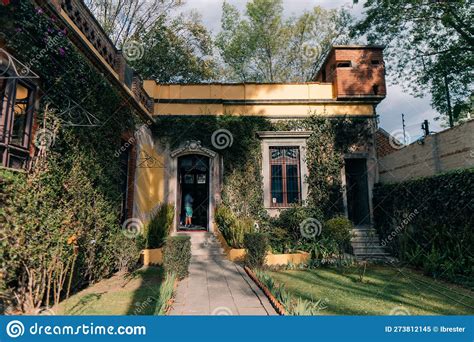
441	152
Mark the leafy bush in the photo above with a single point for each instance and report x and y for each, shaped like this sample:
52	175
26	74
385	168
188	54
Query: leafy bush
159	226
177	255
339	229
233	228
127	251
278	240
256	245
291	219
428	223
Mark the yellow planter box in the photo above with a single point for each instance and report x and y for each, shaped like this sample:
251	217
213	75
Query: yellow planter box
236	254
152	256
285	259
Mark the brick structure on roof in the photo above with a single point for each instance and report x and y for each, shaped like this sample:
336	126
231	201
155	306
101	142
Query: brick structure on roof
355	71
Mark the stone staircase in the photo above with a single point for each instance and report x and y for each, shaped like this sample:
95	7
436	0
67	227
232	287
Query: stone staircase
366	245
204	245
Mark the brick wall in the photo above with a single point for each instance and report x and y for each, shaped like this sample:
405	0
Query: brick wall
442	152
382	143
364	77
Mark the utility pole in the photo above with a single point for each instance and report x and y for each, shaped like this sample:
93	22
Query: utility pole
404	132
448	100
425	126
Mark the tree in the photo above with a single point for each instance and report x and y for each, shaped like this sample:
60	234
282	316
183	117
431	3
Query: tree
172	49
429	45
178	52
264	47
122	19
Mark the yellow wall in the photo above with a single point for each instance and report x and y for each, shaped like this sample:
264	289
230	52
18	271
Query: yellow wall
271	100
274	110
149	179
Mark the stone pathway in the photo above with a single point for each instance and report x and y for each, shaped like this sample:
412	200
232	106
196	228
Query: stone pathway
217	286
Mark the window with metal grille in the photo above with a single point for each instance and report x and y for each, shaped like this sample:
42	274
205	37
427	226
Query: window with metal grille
285	176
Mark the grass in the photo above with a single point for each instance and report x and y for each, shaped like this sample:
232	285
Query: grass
383	290
142	292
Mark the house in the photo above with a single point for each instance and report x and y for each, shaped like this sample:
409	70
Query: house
350	84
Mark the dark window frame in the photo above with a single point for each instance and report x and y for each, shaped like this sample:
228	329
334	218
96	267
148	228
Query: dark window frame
344	64
14	154
284	162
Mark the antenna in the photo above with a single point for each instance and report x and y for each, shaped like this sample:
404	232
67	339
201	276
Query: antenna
404	132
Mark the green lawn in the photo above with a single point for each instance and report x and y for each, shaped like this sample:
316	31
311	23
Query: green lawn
123	294
382	291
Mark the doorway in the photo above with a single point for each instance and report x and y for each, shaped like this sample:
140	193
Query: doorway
193	186
357	191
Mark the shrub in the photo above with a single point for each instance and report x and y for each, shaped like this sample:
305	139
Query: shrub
233	228
127	251
159	226
177	255
339	229
428	223
256	245
291	219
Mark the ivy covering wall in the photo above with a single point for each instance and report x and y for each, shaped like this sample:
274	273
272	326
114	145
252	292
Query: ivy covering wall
242	189
60	221
429	223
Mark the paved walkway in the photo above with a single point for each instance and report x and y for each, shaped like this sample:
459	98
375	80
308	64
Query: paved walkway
216	286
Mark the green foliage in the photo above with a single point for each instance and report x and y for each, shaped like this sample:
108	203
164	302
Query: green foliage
166	293
159	226
339	229
242	189
173	52
62	220
426	41
265	47
177	255
127	256
233	228
290	221
256	245
294	306
428	222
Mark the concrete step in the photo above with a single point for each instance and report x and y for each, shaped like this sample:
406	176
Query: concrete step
366	244
364	233
365	239
369	250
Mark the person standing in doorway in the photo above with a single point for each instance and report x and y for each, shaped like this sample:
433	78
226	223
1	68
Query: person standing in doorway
188	209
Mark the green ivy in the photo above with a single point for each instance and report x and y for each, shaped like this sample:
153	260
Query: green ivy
428	223
62	218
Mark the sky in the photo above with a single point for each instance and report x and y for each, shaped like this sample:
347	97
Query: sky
397	101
